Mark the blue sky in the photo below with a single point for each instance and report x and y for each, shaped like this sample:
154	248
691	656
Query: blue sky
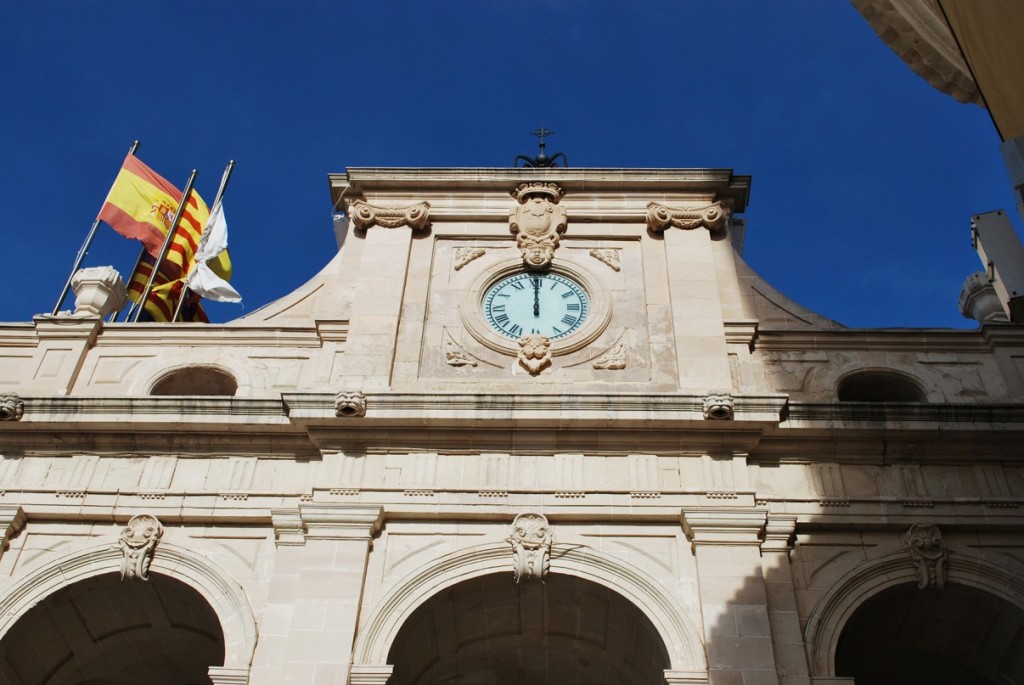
864	177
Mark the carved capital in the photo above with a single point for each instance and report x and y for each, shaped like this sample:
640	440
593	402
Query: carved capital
778	533
711	217
12	407
531	540
341	521
723	525
924	543
535	352
350	403
718	406
538	222
288	527
365	215
138	542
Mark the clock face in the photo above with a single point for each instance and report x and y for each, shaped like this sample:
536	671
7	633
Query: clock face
536	302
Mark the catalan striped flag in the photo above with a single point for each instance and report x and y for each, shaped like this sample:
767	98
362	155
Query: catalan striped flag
163	298
141	205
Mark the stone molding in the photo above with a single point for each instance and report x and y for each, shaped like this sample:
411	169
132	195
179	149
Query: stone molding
779	533
835	607
224	595
723	525
711	217
365	215
362	674
677	632
220	675
12	520
341	521
12	407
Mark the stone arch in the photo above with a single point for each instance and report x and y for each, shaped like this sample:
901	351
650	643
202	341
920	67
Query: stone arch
680	637
225	597
147	375
834	609
879	385
827	378
203	379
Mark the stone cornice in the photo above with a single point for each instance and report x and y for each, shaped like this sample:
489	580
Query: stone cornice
208	335
892	339
341	521
855	415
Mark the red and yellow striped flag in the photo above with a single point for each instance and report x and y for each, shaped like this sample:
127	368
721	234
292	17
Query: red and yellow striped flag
163	298
141	205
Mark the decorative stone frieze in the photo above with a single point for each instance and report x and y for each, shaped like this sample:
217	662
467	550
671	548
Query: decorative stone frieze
138	543
99	290
12	407
608	256
535	352
924	543
718	407
365	215
464	255
538	222
711	217
612	360
531	539
350	403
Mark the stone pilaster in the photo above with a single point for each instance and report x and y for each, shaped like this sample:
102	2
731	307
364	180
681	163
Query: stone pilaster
315	591
787	637
64	342
726	542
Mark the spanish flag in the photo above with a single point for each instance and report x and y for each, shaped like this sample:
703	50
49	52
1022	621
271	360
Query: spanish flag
163	298
141	205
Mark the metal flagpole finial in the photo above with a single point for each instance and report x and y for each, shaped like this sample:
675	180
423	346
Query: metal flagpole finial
542	159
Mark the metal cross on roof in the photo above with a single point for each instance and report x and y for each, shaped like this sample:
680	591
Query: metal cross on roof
542	159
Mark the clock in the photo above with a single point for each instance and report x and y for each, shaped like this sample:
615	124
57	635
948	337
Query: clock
545	303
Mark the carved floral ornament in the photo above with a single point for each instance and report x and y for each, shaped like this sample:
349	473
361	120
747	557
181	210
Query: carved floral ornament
138	542
538	222
531	540
12	407
924	543
365	215
711	217
535	352
464	255
350	403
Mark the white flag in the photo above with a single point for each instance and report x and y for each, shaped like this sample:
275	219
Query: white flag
201	278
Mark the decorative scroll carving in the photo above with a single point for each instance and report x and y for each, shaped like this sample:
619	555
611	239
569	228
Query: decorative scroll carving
12	407
350	403
718	406
538	222
531	539
534	352
138	542
609	256
612	360
924	542
711	217
365	215
454	355
464	255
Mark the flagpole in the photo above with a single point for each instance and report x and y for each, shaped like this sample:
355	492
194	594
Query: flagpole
167	244
83	251
131	305
213	208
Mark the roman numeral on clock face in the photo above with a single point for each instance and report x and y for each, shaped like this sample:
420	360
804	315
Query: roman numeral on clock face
568	319
573	306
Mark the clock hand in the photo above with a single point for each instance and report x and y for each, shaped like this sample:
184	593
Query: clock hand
536	296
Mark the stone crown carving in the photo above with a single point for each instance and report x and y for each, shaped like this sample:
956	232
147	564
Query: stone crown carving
349	403
138	543
12	407
531	540
711	217
365	215
538	222
924	543
718	406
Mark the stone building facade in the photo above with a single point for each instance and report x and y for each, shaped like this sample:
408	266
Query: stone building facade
527	426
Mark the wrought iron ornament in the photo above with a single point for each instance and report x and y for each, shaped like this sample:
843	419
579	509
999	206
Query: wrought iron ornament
541	161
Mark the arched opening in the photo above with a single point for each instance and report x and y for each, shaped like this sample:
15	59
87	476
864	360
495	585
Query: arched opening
959	636
105	631
196	380
879	386
491	631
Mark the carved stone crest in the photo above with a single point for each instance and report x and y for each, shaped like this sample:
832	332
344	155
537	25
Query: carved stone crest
711	217
534	352
12	407
365	215
531	539
924	542
612	360
138	542
609	256
718	406
464	255
350	403
538	222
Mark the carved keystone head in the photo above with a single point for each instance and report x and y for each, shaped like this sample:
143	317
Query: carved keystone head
350	403
718	406
12	407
